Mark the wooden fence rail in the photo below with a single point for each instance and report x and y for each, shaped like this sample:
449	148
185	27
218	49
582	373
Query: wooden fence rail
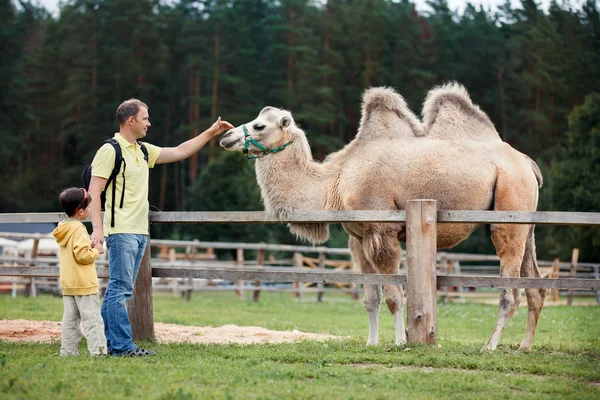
421	219
260	217
266	275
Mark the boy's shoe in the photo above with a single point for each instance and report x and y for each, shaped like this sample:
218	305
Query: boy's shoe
138	352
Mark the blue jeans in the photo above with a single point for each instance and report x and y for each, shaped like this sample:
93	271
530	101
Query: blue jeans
125	252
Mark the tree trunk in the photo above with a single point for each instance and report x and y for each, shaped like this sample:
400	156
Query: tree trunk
163	178
215	90
194	116
290	64
502	104
367	68
94	64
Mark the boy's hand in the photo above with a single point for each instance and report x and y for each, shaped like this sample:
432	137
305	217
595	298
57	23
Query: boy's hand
99	247
220	126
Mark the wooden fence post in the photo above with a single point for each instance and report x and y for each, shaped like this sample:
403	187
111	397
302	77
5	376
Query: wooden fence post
456	271
260	263
421	246
30	288
444	271
320	285
555	274
139	306
297	263
239	262
573	274
191	255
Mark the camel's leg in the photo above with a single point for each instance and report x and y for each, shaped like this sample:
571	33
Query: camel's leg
512	193
509	241
382	249
394	297
535	297
372	299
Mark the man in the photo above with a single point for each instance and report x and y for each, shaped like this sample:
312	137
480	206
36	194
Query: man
127	234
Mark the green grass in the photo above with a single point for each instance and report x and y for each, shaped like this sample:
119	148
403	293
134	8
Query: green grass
565	361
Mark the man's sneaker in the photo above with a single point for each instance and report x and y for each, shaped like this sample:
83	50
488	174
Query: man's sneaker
138	352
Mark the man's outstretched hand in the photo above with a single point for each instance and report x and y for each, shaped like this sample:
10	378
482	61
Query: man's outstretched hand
220	126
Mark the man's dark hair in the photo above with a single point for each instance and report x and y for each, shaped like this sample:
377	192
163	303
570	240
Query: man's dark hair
74	199
129	108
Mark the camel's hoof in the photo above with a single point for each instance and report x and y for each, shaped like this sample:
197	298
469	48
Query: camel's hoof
524	347
369	343
487	348
400	342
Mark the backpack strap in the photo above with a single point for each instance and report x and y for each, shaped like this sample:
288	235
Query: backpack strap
144	149
113	176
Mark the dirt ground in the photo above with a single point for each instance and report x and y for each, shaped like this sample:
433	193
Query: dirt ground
48	331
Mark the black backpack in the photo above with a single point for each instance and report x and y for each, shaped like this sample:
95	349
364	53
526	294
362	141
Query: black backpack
86	176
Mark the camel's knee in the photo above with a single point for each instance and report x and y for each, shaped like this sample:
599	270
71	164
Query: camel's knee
372	297
508	301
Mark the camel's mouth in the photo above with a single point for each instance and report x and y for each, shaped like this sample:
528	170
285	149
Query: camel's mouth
229	140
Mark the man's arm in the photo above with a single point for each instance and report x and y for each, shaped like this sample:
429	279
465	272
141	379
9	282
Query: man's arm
97	185
186	149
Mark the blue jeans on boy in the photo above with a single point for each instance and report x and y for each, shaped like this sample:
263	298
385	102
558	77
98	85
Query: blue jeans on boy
125	252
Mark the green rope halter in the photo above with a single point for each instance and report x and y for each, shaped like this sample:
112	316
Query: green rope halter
248	139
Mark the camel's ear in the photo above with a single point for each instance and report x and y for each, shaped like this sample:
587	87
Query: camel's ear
284	122
264	110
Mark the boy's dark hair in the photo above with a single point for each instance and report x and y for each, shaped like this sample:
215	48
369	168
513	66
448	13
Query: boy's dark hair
129	108
74	199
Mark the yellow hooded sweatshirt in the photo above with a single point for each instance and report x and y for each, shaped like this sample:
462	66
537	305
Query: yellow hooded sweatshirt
77	267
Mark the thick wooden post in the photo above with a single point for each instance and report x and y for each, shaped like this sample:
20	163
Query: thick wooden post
320	285
139	306
573	274
260	263
421	246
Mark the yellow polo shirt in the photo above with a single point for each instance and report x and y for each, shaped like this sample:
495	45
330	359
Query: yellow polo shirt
133	217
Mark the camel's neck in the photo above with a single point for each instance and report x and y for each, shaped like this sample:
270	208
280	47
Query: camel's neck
291	180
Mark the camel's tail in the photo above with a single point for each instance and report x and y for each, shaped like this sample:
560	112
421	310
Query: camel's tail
536	172
379	100
449	113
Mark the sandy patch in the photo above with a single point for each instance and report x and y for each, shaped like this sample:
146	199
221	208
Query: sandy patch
21	330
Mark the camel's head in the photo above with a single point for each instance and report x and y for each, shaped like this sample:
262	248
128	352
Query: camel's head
270	130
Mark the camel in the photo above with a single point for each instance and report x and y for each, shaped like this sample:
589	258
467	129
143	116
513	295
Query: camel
454	155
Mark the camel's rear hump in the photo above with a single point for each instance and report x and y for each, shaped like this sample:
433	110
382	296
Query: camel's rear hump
449	113
385	115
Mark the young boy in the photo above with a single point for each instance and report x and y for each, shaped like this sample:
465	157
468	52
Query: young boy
78	278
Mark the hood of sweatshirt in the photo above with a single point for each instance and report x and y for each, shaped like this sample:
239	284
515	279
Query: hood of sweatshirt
65	230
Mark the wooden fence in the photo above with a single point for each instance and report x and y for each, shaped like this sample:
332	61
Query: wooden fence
421	219
447	263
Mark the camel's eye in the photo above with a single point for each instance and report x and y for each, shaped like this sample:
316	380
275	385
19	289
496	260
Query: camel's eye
258	127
